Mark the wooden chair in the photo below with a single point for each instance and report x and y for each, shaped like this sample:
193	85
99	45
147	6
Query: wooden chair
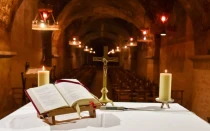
139	95
151	95
123	94
177	95
17	96
208	119
23	78
53	74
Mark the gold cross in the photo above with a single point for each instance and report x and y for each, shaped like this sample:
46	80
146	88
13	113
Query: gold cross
105	59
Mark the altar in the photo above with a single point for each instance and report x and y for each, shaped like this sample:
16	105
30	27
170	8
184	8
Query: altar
145	117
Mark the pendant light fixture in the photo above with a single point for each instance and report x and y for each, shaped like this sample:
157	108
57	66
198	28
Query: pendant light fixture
44	20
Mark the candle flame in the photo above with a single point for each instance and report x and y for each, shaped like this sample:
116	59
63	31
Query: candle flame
43	68
166	71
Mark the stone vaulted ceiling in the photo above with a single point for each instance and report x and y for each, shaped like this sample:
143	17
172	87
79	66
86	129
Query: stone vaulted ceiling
115	19
121	18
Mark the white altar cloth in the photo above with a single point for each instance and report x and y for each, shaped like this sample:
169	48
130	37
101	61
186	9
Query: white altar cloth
149	117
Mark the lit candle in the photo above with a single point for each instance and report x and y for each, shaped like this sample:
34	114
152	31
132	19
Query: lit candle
165	86
43	77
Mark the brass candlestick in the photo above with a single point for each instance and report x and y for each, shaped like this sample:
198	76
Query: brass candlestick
104	99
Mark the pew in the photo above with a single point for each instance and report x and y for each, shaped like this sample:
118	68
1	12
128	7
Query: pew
127	86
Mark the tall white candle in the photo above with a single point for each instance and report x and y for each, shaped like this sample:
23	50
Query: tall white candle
43	77
165	86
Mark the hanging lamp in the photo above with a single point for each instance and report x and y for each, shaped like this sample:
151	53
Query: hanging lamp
44	20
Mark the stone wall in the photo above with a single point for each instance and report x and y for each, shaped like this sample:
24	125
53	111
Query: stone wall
201	88
174	58
25	41
27	44
201	91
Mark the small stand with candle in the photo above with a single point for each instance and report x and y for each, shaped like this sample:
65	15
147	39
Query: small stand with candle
165	89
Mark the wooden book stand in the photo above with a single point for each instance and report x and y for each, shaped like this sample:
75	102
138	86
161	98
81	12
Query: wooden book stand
50	116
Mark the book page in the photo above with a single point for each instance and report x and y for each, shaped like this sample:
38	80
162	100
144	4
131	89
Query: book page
48	97
74	92
34	101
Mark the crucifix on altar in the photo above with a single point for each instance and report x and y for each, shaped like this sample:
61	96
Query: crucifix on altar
105	59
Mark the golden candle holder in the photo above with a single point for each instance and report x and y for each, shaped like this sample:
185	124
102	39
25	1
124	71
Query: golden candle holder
104	99
164	102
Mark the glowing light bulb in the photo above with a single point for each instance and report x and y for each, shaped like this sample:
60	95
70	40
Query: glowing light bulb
80	46
166	71
44	15
144	32
42	25
145	37
74	38
125	47
131	39
163	18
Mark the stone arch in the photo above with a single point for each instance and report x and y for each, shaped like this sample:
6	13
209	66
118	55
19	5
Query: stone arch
8	9
131	11
196	12
107	22
200	24
95	35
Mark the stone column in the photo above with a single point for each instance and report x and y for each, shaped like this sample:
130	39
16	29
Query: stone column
163	52
46	48
156	59
133	58
125	58
78	57
121	60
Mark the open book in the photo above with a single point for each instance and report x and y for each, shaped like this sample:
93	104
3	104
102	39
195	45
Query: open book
65	93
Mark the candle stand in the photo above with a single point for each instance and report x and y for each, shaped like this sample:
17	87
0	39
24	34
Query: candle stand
164	102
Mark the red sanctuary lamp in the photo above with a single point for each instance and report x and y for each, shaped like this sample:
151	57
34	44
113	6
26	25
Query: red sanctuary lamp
163	19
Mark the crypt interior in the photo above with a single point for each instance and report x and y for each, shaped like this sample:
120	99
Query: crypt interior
133	32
